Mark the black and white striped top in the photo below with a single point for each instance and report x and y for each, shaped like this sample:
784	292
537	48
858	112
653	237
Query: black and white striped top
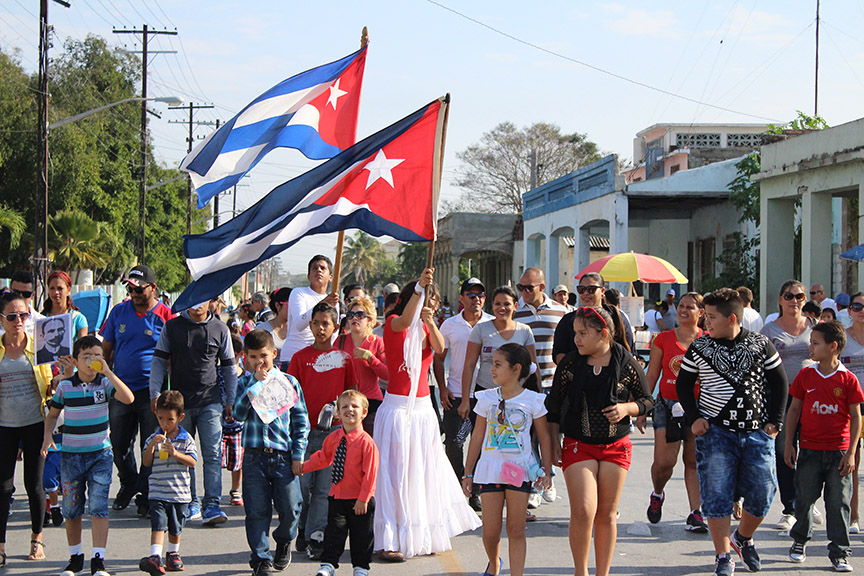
742	385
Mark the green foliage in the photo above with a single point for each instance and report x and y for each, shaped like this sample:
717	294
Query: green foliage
13	223
412	259
94	164
497	170
740	266
73	239
360	257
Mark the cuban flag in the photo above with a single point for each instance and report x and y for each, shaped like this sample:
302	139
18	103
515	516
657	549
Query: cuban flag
314	112
387	184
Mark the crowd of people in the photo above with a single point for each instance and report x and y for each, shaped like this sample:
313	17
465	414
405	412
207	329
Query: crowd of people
333	417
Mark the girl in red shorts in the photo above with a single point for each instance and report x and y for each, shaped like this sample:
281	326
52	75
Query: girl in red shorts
597	389
500	461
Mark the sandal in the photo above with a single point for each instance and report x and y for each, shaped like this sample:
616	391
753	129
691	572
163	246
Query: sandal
34	549
2	559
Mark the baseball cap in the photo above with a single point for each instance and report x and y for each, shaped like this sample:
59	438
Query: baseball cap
470	283
670	292
842	299
141	275
391	288
560	288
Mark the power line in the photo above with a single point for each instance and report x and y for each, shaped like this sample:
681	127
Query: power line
595	68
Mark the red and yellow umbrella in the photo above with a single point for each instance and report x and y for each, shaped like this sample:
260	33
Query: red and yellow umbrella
632	266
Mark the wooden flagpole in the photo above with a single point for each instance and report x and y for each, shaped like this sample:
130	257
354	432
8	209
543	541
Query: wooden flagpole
436	178
340	240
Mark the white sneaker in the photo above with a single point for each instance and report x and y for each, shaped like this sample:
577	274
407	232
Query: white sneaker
853	528
533	501
551	494
786	522
326	570
818	519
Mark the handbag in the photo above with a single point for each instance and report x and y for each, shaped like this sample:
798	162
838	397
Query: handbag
510	471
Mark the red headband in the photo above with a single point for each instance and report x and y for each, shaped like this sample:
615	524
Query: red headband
60	274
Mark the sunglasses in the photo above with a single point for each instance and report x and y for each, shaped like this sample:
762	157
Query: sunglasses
788	296
856	307
526	287
14	317
136	289
23	293
814	292
501	414
586	311
475	295
588	289
359	314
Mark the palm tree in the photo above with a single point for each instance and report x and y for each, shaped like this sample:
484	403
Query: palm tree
361	256
74	239
12	221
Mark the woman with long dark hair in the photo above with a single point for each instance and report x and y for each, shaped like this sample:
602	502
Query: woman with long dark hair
59	301
597	389
419	501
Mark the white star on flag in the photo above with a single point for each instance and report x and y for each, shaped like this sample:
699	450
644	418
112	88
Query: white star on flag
381	167
335	94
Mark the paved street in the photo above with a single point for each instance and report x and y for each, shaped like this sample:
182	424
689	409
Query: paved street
669	551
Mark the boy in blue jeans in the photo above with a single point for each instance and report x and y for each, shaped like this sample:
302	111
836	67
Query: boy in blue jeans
825	399
86	459
275	427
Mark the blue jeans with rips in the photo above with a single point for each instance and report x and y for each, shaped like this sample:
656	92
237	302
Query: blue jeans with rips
206	420
269	482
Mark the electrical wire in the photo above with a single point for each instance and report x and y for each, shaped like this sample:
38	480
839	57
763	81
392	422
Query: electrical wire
595	68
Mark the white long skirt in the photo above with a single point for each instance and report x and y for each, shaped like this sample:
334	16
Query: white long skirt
419	503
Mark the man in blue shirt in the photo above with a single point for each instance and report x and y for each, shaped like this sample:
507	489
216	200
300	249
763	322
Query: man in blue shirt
129	338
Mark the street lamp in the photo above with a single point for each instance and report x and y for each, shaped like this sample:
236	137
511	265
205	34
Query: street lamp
172	100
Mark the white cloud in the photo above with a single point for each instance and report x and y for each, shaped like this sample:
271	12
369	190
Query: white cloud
637	22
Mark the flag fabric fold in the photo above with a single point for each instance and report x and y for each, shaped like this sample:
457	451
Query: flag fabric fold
314	112
386	184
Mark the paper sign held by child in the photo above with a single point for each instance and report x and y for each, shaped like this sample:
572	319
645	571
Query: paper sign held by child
272	397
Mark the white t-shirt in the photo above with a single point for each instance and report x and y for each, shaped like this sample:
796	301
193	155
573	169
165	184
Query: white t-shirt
278	342
844	318
299	336
651	317
485	334
456	331
752	320
500	444
852	356
771	318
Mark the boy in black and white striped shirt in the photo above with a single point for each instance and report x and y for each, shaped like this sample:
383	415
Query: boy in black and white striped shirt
742	396
171	452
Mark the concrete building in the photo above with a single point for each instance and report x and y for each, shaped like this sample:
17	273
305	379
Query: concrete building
486	239
821	170
684	218
662	150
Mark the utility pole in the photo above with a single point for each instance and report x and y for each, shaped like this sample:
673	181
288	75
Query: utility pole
191	138
41	216
142	184
216	199
816	84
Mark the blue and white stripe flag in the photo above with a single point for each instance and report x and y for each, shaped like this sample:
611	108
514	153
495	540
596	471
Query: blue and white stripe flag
314	112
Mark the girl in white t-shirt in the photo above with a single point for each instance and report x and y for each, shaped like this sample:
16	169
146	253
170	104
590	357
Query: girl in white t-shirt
500	464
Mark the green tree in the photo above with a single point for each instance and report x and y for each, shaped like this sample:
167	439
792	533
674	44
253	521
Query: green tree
497	169
73	239
361	256
412	259
13	223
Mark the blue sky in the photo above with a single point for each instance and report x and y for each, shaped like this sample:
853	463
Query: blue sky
754	58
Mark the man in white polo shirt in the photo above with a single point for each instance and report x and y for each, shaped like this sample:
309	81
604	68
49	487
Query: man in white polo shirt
456	331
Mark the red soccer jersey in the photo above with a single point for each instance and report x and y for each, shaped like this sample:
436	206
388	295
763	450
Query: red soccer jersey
825	406
360	470
394	342
673	354
323	375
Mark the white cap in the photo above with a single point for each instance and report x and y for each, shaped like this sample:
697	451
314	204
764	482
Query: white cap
560	288
671	292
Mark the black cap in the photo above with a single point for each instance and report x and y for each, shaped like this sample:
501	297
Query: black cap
141	275
471	283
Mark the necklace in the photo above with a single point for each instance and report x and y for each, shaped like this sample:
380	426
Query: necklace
597	370
852	334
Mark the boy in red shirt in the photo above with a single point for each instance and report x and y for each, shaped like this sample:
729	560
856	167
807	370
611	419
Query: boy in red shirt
324	372
825	400
351	512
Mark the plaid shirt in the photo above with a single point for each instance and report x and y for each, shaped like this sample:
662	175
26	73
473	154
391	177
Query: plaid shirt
288	432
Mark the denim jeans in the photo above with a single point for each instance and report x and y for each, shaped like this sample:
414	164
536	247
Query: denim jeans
735	463
206	420
817	469
452	424
127	420
268	482
90	470
314	488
